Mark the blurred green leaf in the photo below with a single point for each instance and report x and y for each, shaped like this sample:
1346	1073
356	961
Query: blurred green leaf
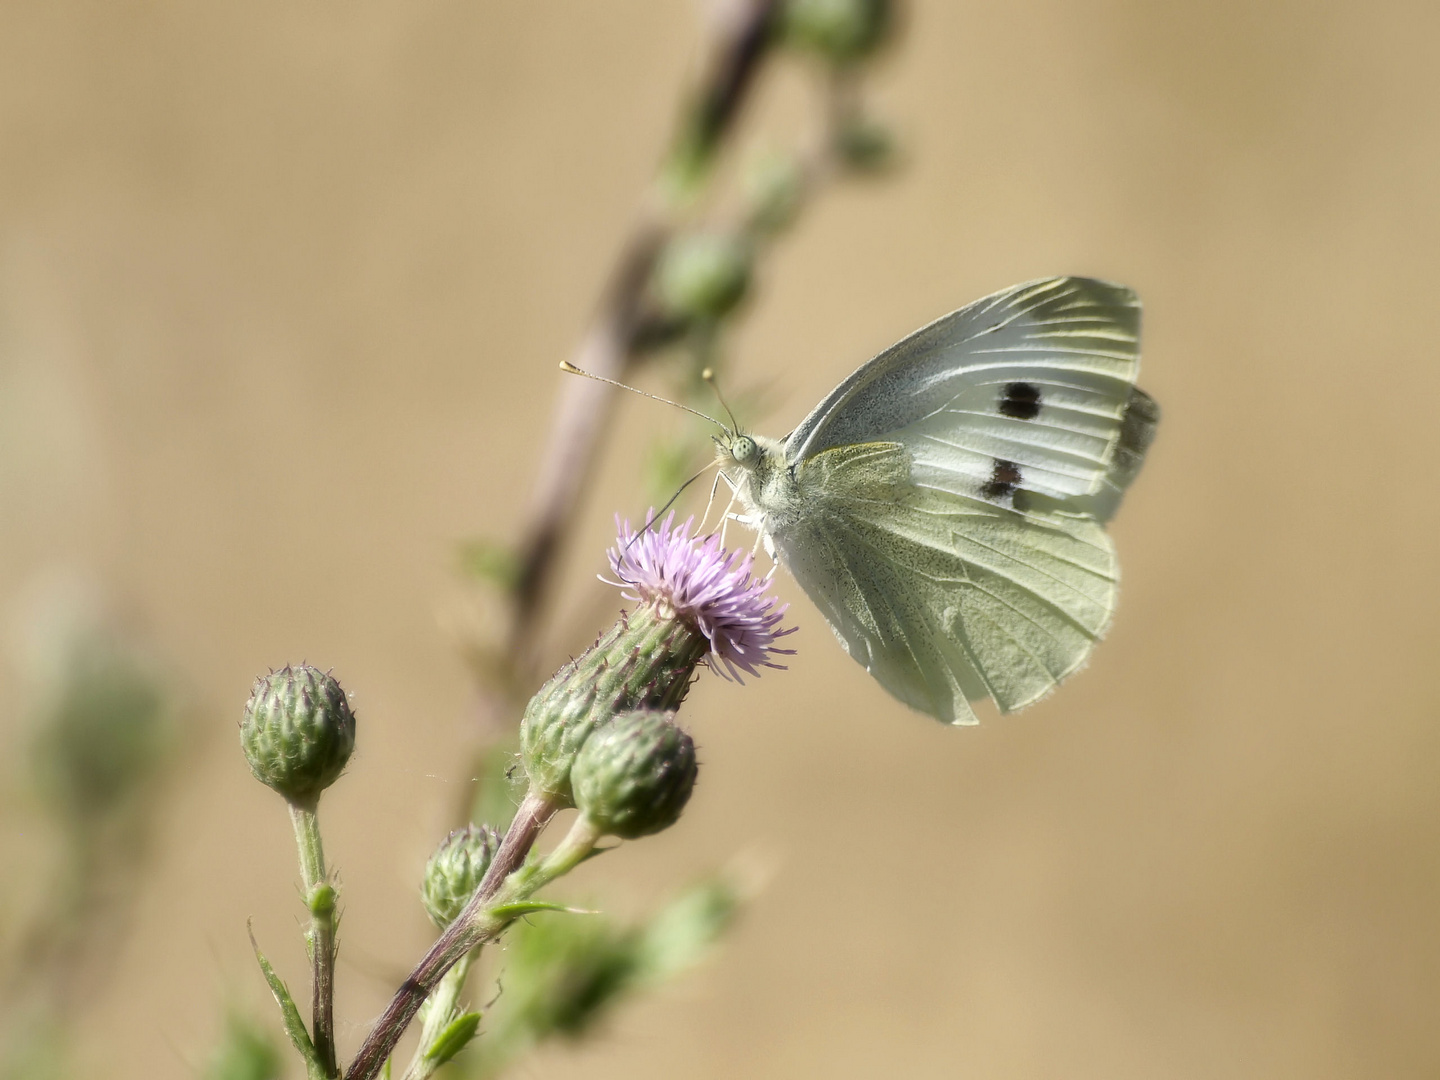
680	934
32	1046
245	1053
492	562
564	975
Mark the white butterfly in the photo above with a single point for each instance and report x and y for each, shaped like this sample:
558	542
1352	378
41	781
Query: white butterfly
944	505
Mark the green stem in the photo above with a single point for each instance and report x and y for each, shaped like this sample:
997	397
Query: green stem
579	842
320	937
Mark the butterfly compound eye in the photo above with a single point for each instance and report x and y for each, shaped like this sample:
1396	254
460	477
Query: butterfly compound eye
744	449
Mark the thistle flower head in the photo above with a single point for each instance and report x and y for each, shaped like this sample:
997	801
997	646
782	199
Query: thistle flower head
698	581
698	603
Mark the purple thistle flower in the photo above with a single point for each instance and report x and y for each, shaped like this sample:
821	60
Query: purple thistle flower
705	585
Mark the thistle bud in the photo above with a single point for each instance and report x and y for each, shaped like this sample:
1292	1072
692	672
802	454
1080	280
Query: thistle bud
646	660
455	870
634	776
841	31
696	602
703	275
298	732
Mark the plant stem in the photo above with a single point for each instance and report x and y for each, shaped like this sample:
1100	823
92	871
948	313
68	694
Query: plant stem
470	928
579	842
320	898
608	347
441	1012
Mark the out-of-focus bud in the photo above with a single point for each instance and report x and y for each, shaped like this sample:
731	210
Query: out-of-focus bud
106	729
865	145
841	31
634	776
773	185
455	870
703	275
298	732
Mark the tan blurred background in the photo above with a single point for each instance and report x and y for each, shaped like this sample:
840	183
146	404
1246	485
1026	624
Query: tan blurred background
282	292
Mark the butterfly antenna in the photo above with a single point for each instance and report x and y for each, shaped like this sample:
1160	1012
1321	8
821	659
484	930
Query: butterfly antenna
668	503
571	369
709	376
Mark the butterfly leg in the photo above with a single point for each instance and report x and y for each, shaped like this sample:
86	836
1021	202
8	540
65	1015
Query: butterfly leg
709	503
726	519
727	515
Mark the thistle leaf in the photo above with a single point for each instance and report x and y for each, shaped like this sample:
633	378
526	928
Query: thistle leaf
289	1014
453	1039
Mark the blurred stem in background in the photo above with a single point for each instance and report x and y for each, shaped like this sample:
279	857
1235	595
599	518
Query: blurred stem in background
102	735
674	289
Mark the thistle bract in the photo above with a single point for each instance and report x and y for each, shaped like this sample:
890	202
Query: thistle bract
634	776
700	583
646	660
298	732
696	602
455	870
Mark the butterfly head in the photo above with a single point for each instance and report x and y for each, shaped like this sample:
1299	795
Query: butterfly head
737	448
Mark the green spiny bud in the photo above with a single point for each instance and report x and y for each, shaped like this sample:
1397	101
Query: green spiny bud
646	660
298	732
842	31
455	870
634	776
703	275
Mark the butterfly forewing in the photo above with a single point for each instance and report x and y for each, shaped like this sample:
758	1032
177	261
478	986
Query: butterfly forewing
1024	390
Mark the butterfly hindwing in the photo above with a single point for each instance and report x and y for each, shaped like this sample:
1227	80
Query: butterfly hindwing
943	598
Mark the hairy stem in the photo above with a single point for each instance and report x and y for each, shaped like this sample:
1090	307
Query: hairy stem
320	937
441	1012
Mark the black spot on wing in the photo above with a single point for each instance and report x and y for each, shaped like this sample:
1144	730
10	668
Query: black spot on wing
1020	401
1004	479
